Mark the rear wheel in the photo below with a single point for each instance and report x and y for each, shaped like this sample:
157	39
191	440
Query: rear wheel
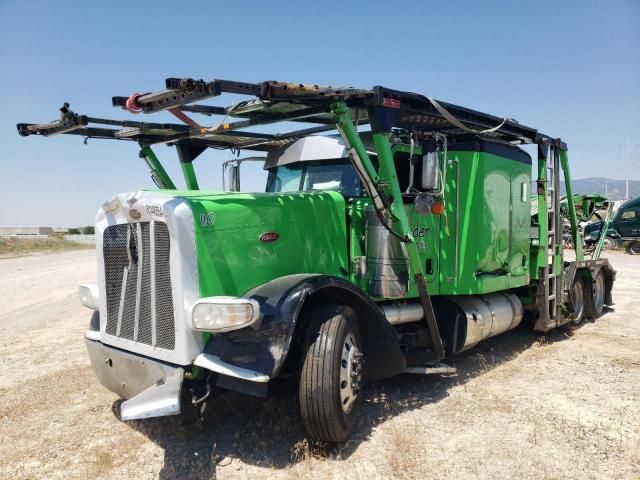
331	374
577	300
594	296
634	248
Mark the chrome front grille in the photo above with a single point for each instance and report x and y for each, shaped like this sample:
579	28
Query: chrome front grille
138	283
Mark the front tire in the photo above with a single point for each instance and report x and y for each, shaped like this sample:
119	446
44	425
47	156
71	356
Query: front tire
331	374
609	243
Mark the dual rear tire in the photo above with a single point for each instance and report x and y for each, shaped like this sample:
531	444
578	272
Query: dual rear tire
594	294
587	297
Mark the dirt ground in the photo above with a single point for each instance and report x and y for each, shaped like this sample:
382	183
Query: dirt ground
523	405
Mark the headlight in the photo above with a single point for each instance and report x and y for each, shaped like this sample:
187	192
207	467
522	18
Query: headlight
89	295
222	314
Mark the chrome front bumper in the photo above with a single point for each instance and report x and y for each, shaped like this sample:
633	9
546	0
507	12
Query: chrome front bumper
151	388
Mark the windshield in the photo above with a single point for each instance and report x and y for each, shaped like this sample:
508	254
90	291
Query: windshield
336	175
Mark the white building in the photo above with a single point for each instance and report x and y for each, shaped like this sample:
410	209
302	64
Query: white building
26	231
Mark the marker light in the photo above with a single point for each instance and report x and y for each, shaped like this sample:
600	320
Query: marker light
437	208
222	314
89	295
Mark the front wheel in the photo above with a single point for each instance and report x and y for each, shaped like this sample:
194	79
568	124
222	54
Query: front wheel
609	243
331	374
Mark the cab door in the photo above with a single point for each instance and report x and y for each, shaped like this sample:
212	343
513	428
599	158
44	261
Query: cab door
628	222
426	231
520	229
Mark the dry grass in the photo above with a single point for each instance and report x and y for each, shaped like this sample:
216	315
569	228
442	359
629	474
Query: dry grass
22	246
486	363
103	462
405	455
522	406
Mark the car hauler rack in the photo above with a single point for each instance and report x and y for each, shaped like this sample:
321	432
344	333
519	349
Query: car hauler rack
344	109
460	280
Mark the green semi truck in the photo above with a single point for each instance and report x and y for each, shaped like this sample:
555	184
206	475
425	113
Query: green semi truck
394	231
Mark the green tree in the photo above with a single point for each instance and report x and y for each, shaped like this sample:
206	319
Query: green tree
74	231
89	230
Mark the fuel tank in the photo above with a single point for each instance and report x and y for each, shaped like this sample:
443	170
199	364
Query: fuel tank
387	260
463	320
466	320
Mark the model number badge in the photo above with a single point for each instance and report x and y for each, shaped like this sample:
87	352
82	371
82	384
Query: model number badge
269	237
154	210
207	219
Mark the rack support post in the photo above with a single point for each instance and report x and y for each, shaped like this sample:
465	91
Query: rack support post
158	173
577	237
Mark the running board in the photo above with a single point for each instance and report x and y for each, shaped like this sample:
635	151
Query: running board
435	369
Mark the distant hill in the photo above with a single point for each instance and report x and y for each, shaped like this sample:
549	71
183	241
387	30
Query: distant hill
615	188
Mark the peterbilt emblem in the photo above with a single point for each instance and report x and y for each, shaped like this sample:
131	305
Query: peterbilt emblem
269	237
207	219
135	214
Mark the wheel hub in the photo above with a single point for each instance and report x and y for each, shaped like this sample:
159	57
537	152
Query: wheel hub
350	373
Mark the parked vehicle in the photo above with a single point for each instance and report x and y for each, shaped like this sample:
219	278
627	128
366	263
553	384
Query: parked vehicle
623	230
371	253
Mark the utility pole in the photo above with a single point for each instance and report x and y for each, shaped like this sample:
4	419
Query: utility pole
626	194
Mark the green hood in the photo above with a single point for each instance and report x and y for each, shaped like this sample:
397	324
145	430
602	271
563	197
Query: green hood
306	234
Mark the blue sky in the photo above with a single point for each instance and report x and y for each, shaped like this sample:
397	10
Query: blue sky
568	68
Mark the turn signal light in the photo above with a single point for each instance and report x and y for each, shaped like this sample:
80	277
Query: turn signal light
437	208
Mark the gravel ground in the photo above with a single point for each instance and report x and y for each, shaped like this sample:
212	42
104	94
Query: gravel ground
523	405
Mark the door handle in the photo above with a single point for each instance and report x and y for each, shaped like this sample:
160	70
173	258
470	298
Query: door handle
429	266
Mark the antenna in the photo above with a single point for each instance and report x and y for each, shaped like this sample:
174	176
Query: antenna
626	194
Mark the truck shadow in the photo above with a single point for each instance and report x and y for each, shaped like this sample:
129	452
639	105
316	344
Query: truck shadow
268	432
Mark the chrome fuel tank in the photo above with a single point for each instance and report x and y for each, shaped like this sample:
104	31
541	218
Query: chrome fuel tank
387	260
487	315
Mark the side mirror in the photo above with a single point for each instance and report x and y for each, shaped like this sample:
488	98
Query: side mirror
430	171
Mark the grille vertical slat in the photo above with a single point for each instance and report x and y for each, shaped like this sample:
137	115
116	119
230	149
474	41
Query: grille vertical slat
129	307
165	326
144	319
115	261
132	248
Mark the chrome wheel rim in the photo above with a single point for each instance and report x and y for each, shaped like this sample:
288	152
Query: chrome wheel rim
577	302
350	373
598	293
608	243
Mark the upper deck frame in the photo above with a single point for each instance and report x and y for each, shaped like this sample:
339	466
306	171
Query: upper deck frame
273	102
